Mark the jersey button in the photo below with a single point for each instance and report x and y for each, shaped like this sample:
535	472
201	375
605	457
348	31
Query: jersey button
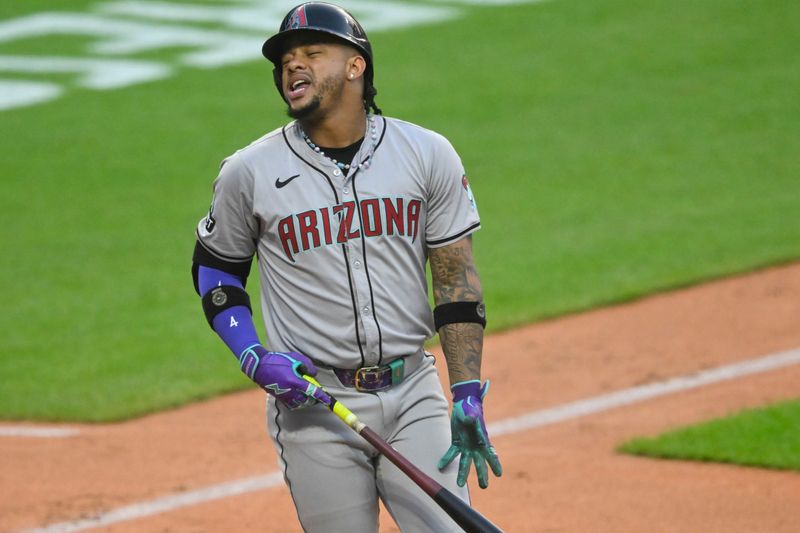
365	310
337	172
346	190
356	264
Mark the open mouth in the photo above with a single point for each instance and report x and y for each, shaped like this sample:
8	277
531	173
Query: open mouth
298	88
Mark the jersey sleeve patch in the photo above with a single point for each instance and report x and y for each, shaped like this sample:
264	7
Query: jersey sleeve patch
464	183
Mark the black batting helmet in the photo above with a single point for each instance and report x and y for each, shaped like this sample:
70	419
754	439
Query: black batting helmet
331	20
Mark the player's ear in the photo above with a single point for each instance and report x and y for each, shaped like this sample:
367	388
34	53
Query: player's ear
356	66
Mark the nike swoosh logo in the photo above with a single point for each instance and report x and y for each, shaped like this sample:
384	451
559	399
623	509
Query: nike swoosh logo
284	183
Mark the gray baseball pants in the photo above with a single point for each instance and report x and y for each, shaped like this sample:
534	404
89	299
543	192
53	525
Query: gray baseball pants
336	478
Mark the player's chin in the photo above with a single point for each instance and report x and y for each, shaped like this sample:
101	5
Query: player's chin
299	110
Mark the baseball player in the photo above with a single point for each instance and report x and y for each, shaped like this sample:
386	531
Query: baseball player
343	208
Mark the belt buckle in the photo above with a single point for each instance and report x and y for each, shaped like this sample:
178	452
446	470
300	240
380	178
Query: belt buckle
368	378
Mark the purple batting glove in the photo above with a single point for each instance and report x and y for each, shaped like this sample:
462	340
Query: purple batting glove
469	435
281	375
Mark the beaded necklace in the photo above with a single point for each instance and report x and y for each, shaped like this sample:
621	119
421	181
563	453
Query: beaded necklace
364	163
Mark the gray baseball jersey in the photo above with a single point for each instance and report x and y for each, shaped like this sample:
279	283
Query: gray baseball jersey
342	258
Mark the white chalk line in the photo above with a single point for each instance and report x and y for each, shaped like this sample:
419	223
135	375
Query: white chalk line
40	432
544	417
167	503
641	393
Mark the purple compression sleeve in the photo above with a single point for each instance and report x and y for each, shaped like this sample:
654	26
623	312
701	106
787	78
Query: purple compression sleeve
235	325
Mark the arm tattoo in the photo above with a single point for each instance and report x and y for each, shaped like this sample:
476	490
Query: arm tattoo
462	345
455	279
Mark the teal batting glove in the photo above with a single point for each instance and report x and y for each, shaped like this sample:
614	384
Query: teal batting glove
469	435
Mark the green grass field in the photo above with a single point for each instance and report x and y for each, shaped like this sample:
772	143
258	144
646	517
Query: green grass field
615	148
765	437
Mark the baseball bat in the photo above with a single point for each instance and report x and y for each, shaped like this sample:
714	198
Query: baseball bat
465	516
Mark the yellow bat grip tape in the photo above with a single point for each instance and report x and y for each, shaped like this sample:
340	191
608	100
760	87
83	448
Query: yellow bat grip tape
345	414
312	380
340	410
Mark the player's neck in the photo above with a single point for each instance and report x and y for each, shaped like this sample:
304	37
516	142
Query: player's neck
337	129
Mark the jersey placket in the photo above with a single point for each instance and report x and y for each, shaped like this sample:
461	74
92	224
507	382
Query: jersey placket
358	266
368	343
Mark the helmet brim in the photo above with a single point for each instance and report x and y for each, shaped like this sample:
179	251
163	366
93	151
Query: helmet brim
274	47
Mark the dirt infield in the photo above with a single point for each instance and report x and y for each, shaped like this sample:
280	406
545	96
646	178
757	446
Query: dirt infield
560	477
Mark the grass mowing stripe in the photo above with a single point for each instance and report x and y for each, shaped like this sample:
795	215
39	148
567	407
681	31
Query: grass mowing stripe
765	437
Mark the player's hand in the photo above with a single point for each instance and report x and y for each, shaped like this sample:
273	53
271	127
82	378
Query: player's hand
281	375
470	438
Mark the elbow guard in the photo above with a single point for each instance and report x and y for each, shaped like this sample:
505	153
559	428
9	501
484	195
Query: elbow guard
224	297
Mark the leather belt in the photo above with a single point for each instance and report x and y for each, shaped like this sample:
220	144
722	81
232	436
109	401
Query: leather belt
372	378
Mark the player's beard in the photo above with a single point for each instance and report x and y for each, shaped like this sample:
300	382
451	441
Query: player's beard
332	87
